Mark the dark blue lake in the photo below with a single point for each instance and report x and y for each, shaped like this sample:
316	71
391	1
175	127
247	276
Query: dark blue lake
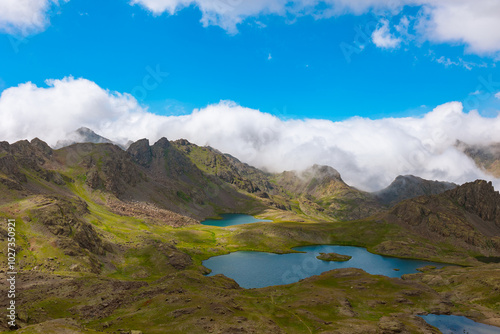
233	219
452	324
259	269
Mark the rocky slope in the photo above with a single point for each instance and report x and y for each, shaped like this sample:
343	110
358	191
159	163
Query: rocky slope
467	216
158	174
108	241
191	180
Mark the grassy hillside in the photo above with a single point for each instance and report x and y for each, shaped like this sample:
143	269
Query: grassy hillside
109	241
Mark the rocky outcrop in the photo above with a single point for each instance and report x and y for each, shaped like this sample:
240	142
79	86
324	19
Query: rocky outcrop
42	147
24	155
63	218
176	258
467	215
141	152
31	155
161	144
225	167
479	198
9	167
111	169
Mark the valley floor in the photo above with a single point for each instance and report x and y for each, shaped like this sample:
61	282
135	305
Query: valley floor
151	280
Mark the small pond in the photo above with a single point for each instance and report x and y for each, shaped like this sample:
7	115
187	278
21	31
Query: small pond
452	324
260	269
233	219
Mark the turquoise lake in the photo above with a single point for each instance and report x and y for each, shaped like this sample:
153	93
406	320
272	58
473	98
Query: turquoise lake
452	324
259	269
233	219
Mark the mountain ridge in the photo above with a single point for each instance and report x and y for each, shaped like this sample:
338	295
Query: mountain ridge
178	165
468	215
111	238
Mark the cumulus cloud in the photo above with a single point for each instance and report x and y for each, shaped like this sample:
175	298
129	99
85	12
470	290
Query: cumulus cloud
368	153
29	111
497	95
475	23
383	38
24	16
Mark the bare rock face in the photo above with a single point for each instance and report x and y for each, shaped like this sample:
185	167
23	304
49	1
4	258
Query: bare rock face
224	167
162	143
141	152
62	218
31	155
176	258
9	167
42	147
469	215
23	154
110	168
480	198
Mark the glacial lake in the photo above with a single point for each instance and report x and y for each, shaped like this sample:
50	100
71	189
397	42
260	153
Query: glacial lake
453	324
233	219
260	269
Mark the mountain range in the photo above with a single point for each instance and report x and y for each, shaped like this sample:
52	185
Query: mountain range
125	223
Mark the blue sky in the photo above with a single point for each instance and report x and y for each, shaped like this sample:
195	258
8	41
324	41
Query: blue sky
292	66
373	88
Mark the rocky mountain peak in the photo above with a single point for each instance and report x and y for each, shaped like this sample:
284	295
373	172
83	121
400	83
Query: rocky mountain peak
41	146
4	147
321	172
162	143
182	142
141	152
410	186
36	149
468	215
82	135
478	197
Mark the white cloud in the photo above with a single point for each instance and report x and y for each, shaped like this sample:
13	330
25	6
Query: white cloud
383	38
448	62
224	13
62	105
24	16
497	95
474	23
368	153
